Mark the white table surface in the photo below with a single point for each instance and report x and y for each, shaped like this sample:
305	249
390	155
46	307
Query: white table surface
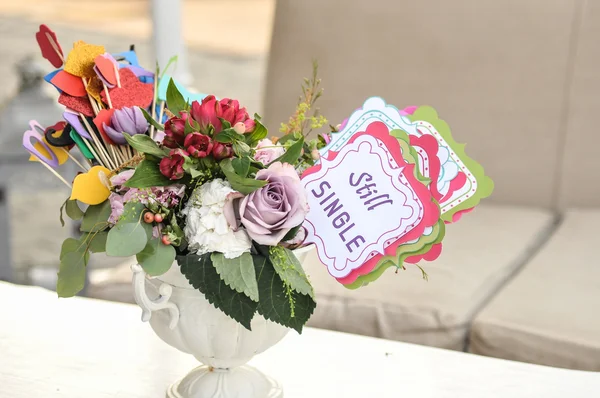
80	347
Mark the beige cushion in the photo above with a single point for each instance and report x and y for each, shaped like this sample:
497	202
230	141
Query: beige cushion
479	253
581	163
549	314
495	70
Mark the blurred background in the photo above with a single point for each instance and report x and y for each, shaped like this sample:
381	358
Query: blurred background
518	81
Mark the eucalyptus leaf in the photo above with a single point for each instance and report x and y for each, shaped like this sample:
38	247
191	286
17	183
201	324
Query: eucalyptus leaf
73	211
96	217
175	101
62	220
71	275
151	120
156	258
201	274
279	302
147	174
126	239
145	144
96	241
238	273
239	183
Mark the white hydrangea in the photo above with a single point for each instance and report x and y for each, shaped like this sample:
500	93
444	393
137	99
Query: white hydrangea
206	228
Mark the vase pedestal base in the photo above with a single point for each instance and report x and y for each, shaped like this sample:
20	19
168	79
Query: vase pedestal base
239	382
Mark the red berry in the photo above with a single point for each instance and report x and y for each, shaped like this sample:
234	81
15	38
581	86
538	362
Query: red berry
149	217
165	240
158	217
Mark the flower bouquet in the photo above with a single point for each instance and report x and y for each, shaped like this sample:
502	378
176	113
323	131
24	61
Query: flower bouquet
219	216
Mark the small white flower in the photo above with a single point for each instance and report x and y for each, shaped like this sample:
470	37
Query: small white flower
207	229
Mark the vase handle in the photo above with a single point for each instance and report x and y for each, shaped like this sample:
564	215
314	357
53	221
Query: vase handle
148	305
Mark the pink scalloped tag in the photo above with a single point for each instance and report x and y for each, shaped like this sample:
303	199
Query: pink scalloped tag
364	201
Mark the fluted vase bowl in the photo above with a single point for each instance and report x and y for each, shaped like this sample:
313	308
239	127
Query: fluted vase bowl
182	317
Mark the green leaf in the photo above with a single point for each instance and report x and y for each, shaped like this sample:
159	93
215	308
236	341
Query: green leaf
71	274
225	124
241	148
156	258
292	153
290	270
147	174
145	144
239	183
73	210
126	239
227	136
151	120
238	273
175	101
96	242
96	217
260	132
131	234
241	166
290	235
278	302
201	274
171	60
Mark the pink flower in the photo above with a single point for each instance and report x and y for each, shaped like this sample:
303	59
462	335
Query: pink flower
198	145
266	151
116	207
121	178
175	130
170	195
172	165
222	151
210	110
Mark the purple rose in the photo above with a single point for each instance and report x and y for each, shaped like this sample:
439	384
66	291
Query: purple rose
267	151
270	212
125	120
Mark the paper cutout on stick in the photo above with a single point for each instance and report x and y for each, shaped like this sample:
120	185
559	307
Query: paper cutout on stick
92	188
68	83
363	200
49	46
131	93
35	143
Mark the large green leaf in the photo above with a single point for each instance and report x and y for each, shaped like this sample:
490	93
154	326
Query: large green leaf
260	132
147	174
278	301
156	258
227	136
241	166
131	234
239	183
175	101
96	217
73	210
201	274
292	153
238	273
71	274
290	270
95	241
145	144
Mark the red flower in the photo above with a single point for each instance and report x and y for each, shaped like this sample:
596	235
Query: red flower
210	110
172	166
222	151
198	145
175	130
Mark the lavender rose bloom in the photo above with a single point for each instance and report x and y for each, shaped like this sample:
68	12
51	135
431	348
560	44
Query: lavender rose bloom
266	151
270	212
125	120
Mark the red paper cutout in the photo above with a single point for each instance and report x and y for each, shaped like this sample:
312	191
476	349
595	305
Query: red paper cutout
429	144
78	104
457	183
68	83
107	68
104	117
431	255
131	93
48	43
457	216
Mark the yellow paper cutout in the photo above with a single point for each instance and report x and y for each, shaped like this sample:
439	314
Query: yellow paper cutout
58	151
94	88
80	61
91	187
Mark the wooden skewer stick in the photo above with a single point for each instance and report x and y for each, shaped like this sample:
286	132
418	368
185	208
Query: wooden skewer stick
56	174
54	47
91	148
73	159
109	164
117	76
154	102
107	96
90	98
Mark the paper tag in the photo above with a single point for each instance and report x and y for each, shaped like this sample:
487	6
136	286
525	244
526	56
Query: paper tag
363	200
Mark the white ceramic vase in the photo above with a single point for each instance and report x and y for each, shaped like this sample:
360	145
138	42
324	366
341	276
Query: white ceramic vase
182	317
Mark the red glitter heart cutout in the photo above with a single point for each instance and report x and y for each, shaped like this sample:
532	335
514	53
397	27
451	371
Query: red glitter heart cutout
131	93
